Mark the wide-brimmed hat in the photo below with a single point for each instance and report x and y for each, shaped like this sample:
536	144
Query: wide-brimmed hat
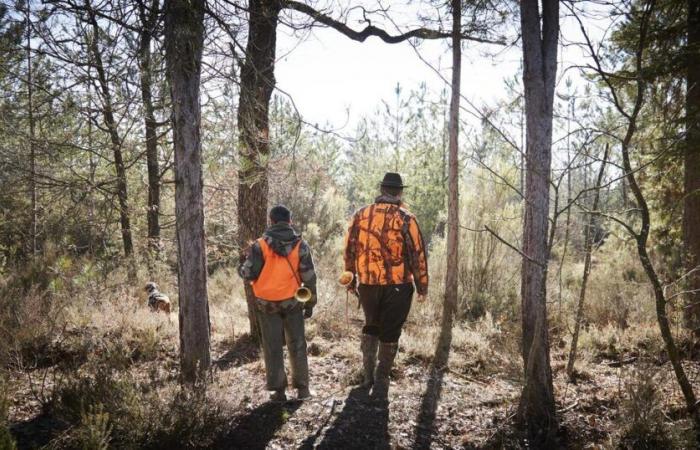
392	179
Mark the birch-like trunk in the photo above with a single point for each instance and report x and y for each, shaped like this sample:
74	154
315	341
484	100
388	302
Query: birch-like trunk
452	272
588	248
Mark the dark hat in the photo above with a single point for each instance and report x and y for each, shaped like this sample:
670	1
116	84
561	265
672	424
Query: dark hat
392	179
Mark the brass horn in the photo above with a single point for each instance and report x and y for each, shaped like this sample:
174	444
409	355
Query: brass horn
346	278
303	294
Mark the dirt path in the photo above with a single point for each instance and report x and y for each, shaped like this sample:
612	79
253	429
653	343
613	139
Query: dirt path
469	413
443	409
343	417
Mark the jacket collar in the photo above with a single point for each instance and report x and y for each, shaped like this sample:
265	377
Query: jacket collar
386	198
281	237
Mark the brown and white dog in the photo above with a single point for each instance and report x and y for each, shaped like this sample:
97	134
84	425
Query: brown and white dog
157	301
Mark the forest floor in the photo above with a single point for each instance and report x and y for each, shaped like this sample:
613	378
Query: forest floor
444	409
429	408
99	370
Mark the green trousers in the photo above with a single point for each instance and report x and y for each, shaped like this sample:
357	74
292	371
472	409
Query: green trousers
285	325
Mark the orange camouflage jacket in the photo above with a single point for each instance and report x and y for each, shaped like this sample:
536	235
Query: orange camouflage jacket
384	245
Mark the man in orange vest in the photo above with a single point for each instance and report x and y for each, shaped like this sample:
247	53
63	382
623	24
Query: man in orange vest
276	265
386	253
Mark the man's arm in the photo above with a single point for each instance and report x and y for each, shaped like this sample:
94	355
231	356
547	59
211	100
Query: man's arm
307	272
251	263
418	257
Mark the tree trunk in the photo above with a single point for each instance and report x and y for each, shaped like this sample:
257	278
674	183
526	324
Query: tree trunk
257	84
536	411
184	38
691	211
588	248
659	295
452	272
642	236
149	19
567	226
110	122
32	141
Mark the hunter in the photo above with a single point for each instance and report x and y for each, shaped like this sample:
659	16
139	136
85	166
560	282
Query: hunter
276	265
386	253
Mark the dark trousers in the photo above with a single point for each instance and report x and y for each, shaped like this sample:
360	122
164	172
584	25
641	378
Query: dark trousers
386	308
276	329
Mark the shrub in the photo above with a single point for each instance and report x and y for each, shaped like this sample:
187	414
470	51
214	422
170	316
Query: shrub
93	432
643	424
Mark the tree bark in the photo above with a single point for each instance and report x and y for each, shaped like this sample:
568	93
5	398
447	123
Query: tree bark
184	38
536	411
32	139
452	272
116	142
257	84
691	210
149	19
588	248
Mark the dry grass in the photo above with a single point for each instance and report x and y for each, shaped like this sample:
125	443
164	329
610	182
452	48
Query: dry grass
87	357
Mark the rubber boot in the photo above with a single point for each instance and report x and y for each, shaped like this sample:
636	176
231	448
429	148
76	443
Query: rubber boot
368	345
303	393
278	396
387	353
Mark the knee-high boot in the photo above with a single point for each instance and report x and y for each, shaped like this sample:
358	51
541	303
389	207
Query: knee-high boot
368	345
387	353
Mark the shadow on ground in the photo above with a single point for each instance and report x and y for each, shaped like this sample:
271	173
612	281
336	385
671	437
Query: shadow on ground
242	351
37	432
360	424
256	428
425	426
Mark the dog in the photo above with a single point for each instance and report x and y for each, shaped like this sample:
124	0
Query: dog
157	301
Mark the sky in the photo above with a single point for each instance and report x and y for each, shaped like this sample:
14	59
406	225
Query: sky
334	80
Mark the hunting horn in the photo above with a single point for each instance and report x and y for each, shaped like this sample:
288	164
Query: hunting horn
303	294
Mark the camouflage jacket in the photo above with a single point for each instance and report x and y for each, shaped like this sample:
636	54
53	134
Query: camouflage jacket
384	245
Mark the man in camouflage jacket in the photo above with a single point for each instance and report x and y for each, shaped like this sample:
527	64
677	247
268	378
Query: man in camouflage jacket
386	253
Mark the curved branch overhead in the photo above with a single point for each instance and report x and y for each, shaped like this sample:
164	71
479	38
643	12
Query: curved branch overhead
371	30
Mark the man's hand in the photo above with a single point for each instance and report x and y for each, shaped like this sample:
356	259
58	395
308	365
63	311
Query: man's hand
421	298
352	286
308	312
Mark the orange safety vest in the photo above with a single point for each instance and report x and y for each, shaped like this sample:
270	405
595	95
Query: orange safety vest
277	281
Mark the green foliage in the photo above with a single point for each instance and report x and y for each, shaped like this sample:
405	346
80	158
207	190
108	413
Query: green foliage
489	271
407	136
94	430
